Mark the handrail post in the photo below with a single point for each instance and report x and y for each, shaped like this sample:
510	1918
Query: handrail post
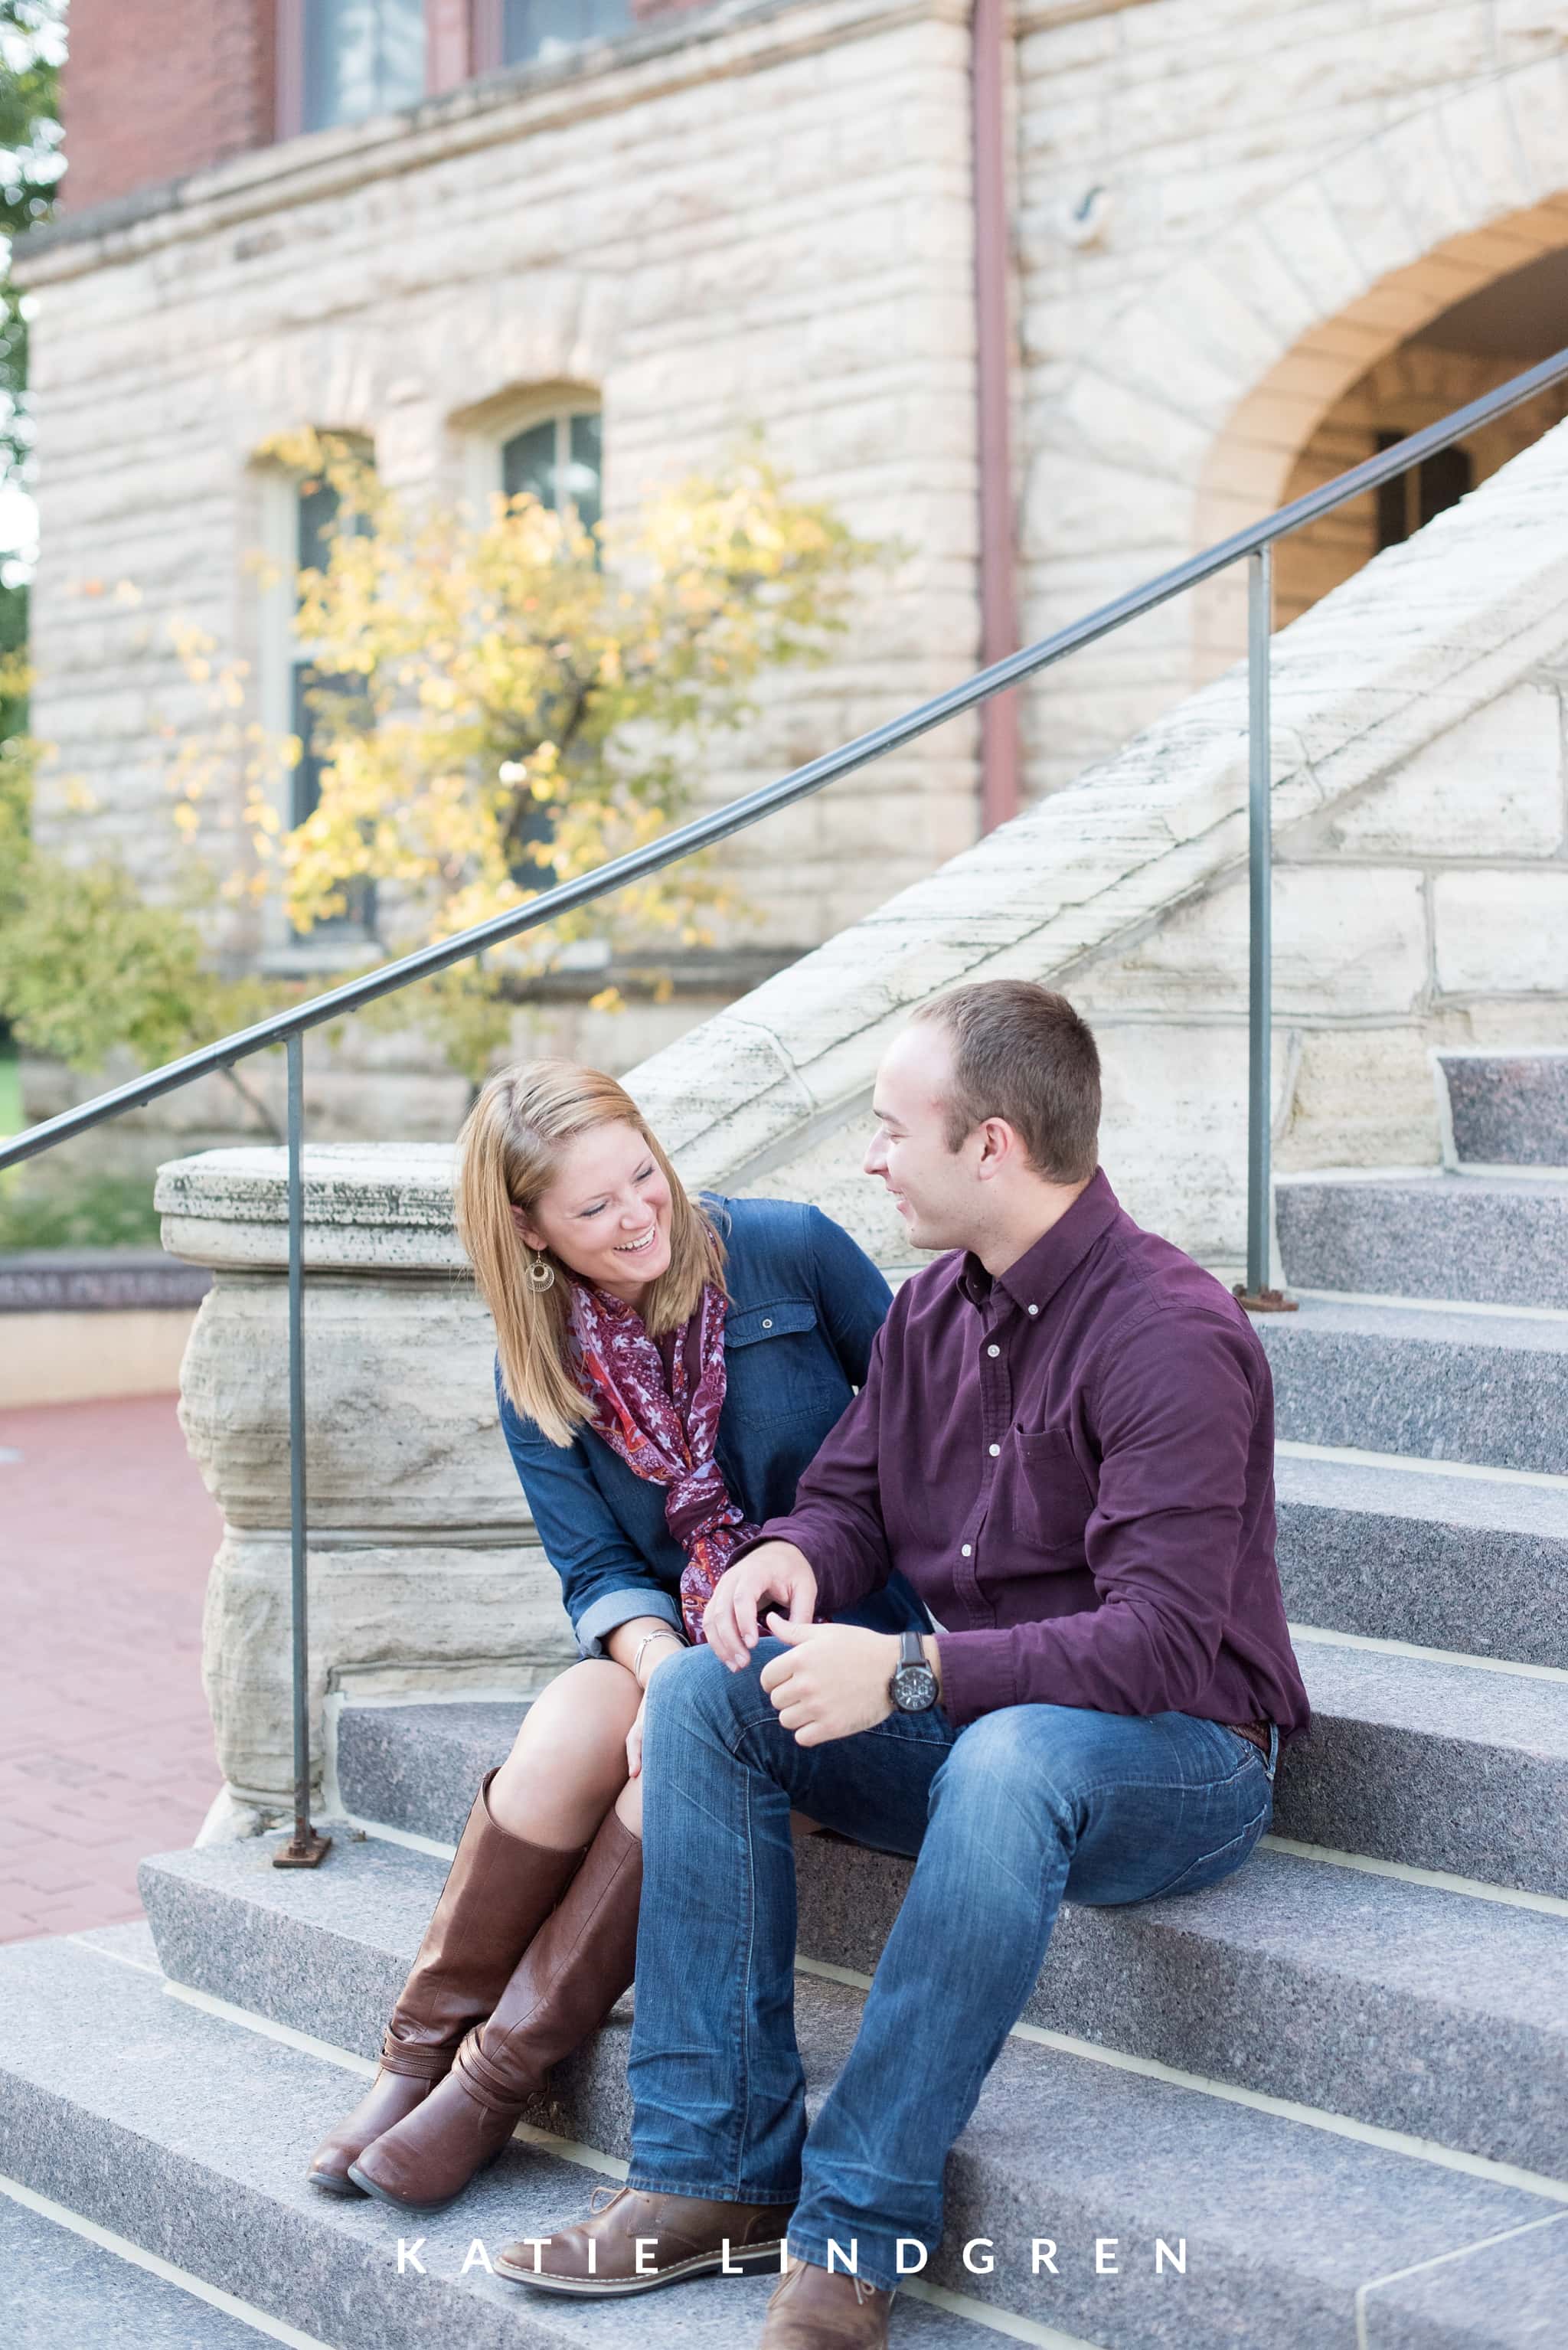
305	1849
1255	1293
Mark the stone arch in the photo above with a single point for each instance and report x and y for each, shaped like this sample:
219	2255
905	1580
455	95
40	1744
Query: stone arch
1183	422
406	384
1394	231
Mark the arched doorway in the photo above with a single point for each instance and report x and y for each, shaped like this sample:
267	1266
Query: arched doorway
1467	349
1186	414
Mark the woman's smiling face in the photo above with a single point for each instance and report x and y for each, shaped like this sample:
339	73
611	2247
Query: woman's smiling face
605	1214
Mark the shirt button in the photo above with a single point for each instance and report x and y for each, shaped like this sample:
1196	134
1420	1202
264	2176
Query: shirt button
1034	1309
767	1322
994	1450
994	1350
967	1551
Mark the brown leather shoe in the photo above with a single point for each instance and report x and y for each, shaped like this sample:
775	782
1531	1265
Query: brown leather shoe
498	1893
565	1984
681	2236
818	2309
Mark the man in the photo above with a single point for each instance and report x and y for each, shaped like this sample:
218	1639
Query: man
1066	1441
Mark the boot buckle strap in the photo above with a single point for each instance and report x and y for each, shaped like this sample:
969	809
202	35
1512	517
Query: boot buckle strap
485	2081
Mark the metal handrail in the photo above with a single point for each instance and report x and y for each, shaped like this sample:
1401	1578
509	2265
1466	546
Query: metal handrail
288	1027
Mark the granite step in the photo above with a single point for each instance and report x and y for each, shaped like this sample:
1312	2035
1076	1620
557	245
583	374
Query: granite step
417	1767
1409	2006
1508	1109
1497	1240
1376	1546
1431	1761
1482	1386
1425	1760
63	2290
183	2130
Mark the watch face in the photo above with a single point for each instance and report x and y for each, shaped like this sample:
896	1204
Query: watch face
914	1687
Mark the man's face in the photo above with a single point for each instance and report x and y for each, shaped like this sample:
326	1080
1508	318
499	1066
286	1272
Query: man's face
935	1189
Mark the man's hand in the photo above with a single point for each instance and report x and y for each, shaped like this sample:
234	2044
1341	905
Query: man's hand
775	1570
832	1678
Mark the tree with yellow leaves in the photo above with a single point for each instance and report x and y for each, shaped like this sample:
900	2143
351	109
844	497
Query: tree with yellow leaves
504	703
507	703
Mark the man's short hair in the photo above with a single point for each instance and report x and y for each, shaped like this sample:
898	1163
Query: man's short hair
1022	1054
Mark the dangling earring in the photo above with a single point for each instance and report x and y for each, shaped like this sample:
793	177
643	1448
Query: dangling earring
541	1272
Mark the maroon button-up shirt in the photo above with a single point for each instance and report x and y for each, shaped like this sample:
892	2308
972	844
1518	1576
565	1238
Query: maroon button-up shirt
1074	1465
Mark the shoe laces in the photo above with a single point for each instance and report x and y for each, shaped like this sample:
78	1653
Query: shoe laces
864	2293
594	2206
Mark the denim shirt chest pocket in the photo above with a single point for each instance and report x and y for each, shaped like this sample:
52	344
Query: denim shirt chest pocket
1043	1499
778	1362
786	1388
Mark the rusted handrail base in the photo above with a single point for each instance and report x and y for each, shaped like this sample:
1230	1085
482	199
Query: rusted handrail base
1263	1301
306	1851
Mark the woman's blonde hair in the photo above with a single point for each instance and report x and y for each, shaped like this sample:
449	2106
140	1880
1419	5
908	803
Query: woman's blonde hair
507	1153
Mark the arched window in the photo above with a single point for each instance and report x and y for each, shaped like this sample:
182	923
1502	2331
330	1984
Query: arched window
561	460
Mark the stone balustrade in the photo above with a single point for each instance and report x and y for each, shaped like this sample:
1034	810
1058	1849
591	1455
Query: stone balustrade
424	1569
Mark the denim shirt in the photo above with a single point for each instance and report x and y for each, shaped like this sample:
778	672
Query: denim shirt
806	1303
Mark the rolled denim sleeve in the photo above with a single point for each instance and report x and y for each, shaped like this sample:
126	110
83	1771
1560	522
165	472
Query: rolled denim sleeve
601	1615
605	1578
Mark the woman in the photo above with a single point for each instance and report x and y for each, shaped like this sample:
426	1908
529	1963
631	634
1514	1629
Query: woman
666	1367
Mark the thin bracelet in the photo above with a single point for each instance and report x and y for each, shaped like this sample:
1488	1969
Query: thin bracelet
637	1660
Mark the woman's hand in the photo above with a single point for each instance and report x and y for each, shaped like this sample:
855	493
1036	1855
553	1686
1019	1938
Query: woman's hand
655	1654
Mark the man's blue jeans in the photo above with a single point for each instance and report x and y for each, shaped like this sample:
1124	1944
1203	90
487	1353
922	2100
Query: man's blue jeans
1005	1816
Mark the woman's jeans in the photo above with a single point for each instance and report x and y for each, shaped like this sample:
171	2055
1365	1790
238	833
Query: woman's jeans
1024	1806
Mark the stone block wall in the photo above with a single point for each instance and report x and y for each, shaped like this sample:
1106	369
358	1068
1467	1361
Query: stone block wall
602	224
1227	215
1225	219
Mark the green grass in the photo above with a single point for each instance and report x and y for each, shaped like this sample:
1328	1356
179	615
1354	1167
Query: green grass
10	1092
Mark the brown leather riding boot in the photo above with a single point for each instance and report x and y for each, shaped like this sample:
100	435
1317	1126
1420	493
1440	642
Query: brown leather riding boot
566	1981
499	1892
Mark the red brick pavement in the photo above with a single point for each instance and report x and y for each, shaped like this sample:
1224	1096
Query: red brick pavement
106	1751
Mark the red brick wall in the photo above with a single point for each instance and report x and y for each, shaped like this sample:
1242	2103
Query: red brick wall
154	88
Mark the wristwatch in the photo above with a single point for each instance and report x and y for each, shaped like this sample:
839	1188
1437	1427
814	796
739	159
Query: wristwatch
913	1687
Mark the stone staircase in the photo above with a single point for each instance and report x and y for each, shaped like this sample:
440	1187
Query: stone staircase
1340	2078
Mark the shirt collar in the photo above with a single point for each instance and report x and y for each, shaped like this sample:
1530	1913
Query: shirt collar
1034	1279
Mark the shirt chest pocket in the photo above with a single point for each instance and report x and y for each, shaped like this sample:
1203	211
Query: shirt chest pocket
777	1361
1044	1499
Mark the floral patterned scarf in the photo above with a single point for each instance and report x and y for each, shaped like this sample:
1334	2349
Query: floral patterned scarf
664	1429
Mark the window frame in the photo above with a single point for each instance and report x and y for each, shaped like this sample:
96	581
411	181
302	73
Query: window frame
485	438
281	652
463	38
489	36
447	61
